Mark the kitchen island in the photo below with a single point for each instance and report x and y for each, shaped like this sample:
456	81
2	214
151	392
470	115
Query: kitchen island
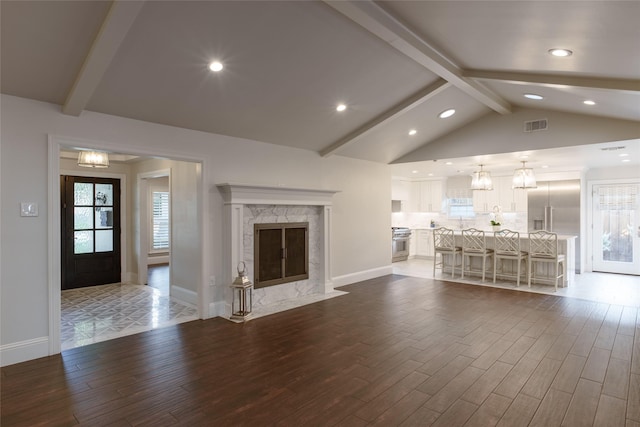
566	246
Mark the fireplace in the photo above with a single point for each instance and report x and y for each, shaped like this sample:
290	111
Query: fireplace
281	253
248	206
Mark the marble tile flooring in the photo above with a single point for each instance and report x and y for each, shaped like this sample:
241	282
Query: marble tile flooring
100	313
602	287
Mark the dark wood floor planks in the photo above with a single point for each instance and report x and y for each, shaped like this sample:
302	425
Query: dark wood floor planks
394	351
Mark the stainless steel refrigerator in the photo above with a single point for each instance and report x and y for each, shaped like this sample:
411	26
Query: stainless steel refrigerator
555	206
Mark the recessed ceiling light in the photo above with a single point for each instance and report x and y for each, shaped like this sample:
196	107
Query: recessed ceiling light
430	174
560	52
448	163
412	132
341	107
623	155
626	160
545	166
216	66
589	102
414	171
533	96
447	113
524	156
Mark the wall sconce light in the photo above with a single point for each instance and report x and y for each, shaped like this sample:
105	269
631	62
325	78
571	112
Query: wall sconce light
524	178
481	180
93	159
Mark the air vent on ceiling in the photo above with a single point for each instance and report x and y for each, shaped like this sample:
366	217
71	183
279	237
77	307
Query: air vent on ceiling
536	125
620	147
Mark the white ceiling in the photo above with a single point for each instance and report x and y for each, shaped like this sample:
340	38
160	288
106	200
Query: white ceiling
287	64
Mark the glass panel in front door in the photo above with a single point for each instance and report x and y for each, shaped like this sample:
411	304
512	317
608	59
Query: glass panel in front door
92	218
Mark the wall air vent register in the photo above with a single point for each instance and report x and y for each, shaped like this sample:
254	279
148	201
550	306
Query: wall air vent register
536	125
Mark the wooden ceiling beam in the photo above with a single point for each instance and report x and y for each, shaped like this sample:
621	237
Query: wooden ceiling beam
625	85
114	28
395	111
382	24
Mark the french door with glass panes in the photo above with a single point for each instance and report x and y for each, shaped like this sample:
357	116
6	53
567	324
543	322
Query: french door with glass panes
90	231
616	228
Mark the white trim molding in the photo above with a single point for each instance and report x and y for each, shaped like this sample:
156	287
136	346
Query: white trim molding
254	194
359	276
236	196
24	350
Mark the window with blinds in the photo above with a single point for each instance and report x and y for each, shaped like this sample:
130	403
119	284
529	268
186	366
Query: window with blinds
160	232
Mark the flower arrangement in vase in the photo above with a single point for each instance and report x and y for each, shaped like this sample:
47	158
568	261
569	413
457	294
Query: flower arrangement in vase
496	218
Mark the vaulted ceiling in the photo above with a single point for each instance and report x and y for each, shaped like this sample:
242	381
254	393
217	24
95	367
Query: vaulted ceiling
395	65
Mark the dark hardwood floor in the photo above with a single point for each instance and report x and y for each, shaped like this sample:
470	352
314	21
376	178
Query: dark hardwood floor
158	277
394	351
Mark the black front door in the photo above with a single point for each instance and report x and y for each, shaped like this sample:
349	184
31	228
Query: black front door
90	231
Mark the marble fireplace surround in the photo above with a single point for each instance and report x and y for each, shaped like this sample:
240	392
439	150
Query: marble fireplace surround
247	204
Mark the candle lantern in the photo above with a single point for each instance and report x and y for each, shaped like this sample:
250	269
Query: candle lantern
242	295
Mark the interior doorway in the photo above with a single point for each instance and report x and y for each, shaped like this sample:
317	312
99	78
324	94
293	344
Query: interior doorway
616	227
128	292
154	219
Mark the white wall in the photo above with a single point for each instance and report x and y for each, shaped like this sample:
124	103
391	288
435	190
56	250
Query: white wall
185	229
361	220
620	172
495	133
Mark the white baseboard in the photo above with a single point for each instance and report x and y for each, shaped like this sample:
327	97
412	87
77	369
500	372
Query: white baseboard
359	276
218	309
24	350
131	277
184	295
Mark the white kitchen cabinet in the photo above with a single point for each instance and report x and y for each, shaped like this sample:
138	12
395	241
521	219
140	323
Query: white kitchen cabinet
512	199
485	200
424	243
413	244
400	189
509	199
418	196
430	196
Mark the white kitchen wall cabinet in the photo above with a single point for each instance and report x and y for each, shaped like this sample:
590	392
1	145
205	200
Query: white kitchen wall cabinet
418	196
400	189
511	200
485	200
431	196
424	243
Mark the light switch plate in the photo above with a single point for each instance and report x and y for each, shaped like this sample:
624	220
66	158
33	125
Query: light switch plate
28	209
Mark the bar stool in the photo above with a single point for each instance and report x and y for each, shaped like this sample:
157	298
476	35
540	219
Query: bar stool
543	247
444	244
474	244
507	246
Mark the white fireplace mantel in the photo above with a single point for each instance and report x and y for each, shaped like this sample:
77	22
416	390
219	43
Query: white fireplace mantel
251	194
236	196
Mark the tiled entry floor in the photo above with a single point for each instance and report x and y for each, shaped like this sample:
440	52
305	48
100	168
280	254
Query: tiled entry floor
100	313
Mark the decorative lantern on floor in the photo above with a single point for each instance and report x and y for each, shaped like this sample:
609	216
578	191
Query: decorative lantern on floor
242	292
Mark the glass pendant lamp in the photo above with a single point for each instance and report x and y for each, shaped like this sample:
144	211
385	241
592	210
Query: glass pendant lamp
524	178
481	180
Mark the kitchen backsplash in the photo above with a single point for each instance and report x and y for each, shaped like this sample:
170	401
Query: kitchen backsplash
512	221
